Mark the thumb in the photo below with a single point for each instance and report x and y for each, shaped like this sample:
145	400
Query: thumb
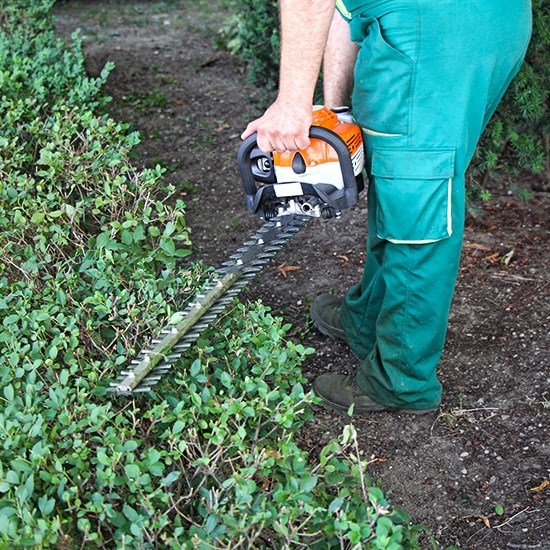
250	129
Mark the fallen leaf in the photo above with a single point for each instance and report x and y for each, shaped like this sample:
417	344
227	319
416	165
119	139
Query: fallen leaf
493	257
507	257
485	520
284	269
539	488
374	459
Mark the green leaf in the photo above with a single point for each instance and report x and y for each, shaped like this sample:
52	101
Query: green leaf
9	394
46	505
178	427
12	477
176	318
168	246
132	471
131	445
170	478
38	217
102	458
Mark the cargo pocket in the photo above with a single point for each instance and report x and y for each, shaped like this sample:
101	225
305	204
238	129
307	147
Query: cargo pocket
382	80
413	194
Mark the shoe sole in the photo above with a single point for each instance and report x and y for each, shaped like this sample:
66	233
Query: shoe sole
339	408
326	329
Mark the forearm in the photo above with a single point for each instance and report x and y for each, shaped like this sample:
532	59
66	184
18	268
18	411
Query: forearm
305	27
338	64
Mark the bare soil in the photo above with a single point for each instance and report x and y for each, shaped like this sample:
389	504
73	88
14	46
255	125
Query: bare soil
477	471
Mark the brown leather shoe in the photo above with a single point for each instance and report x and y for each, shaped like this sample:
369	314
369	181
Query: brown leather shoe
339	391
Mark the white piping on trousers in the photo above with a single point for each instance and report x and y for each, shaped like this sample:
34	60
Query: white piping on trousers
375	133
449	221
340	6
449	207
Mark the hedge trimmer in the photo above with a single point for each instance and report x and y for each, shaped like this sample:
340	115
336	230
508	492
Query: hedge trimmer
284	189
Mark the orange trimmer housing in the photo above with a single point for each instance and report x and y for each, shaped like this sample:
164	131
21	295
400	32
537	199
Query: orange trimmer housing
317	181
320	160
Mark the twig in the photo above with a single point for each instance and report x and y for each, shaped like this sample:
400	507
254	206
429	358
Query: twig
497	527
515	278
523	546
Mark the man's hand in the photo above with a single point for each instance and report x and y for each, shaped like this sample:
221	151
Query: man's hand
282	127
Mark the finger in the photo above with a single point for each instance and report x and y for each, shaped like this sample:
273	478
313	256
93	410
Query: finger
280	146
302	142
264	144
250	129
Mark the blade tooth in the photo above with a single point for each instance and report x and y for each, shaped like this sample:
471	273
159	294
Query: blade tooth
222	307
192	335
173	356
119	388
161	371
240	284
119	392
188	342
140	389
208	318
152	378
265	228
184	346
217	307
233	291
156	341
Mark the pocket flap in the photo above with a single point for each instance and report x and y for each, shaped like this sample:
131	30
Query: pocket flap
413	163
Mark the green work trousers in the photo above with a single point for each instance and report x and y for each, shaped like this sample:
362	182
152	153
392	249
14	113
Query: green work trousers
428	76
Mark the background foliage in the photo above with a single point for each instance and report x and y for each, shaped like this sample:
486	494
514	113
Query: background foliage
88	255
518	136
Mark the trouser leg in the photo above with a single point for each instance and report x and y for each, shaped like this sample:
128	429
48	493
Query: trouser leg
424	91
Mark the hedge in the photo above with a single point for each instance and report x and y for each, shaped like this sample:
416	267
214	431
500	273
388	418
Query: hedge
90	264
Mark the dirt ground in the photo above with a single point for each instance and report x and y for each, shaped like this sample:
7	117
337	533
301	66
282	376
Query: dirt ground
477	471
